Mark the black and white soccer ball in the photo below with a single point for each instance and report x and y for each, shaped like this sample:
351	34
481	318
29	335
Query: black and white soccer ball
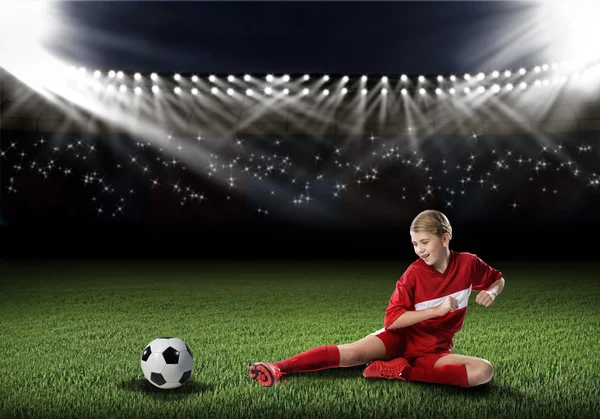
167	362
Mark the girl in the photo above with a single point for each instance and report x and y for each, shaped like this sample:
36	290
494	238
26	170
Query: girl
426	309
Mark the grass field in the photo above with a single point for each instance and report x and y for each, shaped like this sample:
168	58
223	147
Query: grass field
71	336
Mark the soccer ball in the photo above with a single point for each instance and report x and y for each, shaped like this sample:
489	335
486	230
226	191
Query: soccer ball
167	362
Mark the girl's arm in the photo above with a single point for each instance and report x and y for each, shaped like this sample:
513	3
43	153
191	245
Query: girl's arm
487	297
409	318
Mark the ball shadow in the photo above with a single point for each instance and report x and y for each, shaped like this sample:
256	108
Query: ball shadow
141	385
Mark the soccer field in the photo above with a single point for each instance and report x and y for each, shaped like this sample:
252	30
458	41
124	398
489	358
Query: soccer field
72	333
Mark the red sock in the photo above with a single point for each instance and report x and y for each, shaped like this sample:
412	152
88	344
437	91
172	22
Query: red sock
320	358
452	374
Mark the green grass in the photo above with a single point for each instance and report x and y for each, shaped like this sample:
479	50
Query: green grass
71	336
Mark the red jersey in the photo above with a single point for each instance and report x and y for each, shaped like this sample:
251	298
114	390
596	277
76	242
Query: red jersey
422	287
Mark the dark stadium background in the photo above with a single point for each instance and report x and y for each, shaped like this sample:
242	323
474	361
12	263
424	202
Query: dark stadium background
540	209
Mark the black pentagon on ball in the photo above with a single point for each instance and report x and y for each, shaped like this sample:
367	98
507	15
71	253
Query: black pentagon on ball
157	379
186	376
146	353
171	355
166	337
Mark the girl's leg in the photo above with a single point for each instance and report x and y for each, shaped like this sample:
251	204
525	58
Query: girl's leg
443	368
331	356
360	352
478	370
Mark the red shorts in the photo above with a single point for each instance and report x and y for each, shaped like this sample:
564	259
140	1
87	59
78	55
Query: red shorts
396	346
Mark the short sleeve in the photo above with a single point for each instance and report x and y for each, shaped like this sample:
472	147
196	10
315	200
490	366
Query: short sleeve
483	275
401	300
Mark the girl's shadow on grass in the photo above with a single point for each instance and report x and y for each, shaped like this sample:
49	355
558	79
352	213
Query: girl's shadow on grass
141	385
354	373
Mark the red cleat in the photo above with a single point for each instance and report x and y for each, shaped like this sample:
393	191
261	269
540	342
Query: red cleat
391	370
266	373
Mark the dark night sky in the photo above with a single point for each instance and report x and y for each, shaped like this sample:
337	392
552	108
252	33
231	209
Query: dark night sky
334	37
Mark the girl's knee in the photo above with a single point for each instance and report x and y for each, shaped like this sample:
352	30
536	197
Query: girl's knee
482	373
361	352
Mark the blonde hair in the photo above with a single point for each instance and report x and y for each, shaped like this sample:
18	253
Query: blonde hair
433	222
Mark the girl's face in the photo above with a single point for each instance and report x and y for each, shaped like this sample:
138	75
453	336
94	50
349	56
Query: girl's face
431	248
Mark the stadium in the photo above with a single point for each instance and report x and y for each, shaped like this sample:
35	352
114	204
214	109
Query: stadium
259	214
346	155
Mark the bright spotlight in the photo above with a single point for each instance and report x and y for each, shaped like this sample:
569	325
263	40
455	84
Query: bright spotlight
572	25
25	25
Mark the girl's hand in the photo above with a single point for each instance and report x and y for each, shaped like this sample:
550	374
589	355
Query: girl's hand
449	305
485	298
